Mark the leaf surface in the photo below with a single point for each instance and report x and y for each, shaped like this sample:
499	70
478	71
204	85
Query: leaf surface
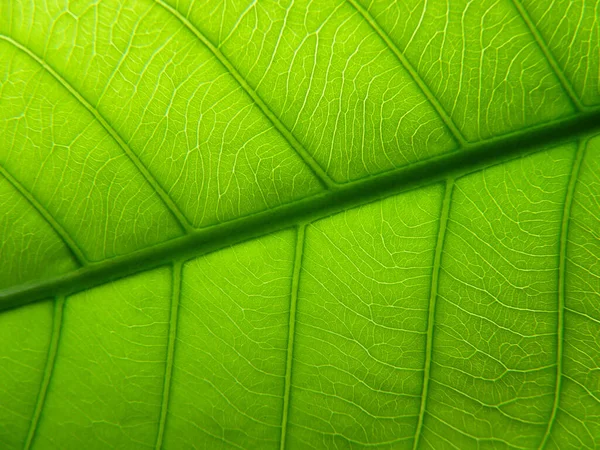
333	224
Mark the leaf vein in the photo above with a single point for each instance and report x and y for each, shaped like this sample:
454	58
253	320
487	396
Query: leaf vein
57	323
306	157
291	332
433	293
209	239
562	268
175	299
446	118
543	46
168	202
72	246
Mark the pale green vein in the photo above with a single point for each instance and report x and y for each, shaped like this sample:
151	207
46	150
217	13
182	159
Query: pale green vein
59	305
174	209
291	332
541	42
457	134
57	227
308	159
175	297
433	291
562	269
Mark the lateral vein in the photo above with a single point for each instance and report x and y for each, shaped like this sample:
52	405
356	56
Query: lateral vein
562	268
291	332
175	299
306	157
169	203
446	118
549	56
433	292
57	227
57	321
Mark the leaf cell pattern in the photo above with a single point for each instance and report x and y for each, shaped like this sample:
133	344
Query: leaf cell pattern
459	310
510	360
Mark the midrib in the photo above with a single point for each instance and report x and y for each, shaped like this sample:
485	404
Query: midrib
470	158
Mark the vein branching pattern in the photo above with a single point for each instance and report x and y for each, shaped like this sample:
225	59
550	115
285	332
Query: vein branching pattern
300	224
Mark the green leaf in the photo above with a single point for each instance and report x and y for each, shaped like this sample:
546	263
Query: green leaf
332	224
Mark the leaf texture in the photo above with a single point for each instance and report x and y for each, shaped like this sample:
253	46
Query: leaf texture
332	224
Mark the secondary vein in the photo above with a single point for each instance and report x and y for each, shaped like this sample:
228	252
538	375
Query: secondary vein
446	118
541	42
306	157
168	202
50	220
562	269
175	299
57	321
291	332
433	291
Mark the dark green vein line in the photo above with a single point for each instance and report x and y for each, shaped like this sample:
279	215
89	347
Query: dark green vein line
456	133
72	246
541	42
562	269
308	159
291	332
59	305
173	208
357	193
176	295
433	291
